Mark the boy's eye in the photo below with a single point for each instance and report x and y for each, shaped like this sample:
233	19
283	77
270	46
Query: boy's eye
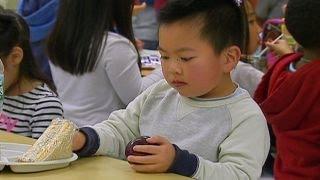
164	57
186	58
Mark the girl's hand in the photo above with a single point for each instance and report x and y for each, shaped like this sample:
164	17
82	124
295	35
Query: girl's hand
138	8
139	44
79	140
160	159
281	47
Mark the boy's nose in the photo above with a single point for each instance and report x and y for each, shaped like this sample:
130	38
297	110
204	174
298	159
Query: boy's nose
175	67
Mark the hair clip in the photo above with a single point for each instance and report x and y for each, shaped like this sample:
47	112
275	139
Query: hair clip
238	2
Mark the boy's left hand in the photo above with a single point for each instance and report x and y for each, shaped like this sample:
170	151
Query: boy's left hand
160	159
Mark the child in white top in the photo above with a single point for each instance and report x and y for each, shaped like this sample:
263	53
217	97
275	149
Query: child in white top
247	76
94	61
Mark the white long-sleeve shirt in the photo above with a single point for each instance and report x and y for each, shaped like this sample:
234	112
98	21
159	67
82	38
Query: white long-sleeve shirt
90	98
247	76
229	135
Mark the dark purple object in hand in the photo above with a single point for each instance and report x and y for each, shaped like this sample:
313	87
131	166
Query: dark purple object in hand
138	141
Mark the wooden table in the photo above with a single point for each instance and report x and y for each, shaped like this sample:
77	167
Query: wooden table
146	71
92	168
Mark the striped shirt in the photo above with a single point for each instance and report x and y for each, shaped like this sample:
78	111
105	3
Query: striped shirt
31	113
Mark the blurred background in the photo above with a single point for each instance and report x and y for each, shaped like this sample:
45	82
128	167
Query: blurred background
10	4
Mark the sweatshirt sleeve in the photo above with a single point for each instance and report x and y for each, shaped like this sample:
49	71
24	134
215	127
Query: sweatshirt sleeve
123	71
120	128
241	155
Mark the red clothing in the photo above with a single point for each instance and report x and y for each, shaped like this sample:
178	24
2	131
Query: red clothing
291	104
158	4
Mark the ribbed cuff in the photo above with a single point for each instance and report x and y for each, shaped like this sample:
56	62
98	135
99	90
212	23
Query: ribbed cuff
185	163
92	142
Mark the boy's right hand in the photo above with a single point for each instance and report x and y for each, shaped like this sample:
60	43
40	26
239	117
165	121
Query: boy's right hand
160	158
79	140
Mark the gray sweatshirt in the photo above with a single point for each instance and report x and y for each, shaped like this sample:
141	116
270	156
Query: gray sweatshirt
225	138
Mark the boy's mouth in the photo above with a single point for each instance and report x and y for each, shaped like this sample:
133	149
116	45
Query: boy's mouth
178	83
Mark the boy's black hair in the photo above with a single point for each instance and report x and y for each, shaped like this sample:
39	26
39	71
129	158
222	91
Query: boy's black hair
302	19
224	22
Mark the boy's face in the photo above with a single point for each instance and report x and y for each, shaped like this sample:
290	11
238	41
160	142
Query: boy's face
189	63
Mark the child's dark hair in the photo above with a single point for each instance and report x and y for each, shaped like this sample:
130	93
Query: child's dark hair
224	22
77	39
14	31
302	19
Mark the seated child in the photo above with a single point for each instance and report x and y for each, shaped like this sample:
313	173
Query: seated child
29	103
289	96
204	125
100	73
247	76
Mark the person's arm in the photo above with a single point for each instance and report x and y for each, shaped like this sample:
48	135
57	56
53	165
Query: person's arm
123	71
241	155
48	109
111	136
281	47
138	8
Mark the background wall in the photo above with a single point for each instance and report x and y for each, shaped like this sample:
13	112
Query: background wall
10	4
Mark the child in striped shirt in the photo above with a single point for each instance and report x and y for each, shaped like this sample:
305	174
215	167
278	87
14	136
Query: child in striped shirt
30	102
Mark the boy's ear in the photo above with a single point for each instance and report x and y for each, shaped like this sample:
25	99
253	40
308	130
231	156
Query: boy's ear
232	56
15	57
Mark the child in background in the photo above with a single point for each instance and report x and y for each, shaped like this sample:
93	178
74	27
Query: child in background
204	125
3	4
247	76
145	26
94	61
289	96
269	9
30	103
40	15
283	46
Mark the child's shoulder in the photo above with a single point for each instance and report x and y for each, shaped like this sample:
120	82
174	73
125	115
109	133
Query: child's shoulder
160	88
114	38
158	91
42	94
245	109
42	91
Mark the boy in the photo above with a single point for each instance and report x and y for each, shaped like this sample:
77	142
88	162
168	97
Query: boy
204	126
289	96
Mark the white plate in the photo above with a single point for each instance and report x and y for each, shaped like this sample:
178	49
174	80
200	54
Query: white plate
11	150
9	153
